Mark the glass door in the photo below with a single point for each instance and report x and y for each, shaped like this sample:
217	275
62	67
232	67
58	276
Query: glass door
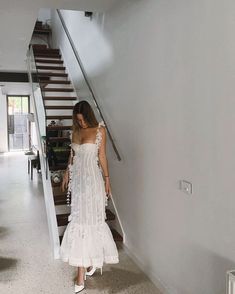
18	124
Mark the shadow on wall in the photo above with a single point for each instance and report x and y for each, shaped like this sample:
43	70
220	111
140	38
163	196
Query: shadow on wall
88	38
96	63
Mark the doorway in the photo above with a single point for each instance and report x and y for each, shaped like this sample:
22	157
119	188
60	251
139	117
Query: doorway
18	123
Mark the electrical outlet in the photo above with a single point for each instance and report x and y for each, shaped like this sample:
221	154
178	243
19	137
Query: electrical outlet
186	187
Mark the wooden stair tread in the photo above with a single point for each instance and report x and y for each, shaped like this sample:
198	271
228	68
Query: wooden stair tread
40	26
58	139
38	23
59	98
39	47
59	107
58	193
110	215
58	167
63	153
55	128
59	117
55	184
62	219
50	67
47	55
60	201
44	79
60	198
48	82
49	61
116	235
57	89
45	50
52	74
41	31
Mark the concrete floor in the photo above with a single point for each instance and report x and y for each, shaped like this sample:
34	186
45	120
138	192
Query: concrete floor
26	261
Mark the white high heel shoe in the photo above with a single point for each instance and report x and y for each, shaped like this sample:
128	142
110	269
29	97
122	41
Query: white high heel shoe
91	272
79	288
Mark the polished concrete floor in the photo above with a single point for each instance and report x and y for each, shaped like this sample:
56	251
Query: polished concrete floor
26	261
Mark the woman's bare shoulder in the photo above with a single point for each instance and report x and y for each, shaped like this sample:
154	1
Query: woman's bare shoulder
74	134
103	129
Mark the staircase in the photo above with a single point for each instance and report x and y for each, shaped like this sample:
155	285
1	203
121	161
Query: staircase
58	99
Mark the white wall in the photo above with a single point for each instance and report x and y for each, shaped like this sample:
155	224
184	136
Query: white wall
70	62
3	124
44	15
167	87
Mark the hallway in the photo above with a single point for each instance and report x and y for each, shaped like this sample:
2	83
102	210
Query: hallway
26	261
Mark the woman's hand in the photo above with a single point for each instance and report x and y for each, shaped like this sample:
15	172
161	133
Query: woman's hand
65	181
107	187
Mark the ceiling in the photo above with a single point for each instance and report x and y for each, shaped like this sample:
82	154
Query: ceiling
17	19
15	88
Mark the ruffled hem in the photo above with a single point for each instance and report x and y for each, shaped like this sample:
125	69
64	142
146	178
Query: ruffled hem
88	263
88	245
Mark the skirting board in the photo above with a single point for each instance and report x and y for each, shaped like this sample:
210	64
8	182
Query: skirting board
156	281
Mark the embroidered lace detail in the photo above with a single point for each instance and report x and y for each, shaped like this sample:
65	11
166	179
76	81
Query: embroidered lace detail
70	173
87	239
69	185
102	123
98	143
99	135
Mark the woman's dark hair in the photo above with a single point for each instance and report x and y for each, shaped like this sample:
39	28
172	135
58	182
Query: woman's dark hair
84	108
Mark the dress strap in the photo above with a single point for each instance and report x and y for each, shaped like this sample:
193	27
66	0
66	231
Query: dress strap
99	135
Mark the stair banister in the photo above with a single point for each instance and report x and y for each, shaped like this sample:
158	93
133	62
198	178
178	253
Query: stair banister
49	202
87	80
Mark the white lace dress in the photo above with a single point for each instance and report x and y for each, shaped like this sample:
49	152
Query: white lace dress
88	240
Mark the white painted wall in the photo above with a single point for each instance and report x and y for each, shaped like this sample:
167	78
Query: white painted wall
24	13
75	74
44	15
167	87
3	124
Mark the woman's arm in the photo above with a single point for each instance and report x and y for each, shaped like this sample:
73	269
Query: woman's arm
103	161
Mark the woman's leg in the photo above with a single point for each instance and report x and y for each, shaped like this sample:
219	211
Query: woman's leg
80	276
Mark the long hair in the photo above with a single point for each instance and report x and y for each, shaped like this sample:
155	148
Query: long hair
84	108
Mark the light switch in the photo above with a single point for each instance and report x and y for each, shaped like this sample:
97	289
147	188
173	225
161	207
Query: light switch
186	187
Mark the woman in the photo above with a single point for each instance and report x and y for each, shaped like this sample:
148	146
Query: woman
87	242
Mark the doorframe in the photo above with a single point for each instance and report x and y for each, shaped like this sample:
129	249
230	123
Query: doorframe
29	123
